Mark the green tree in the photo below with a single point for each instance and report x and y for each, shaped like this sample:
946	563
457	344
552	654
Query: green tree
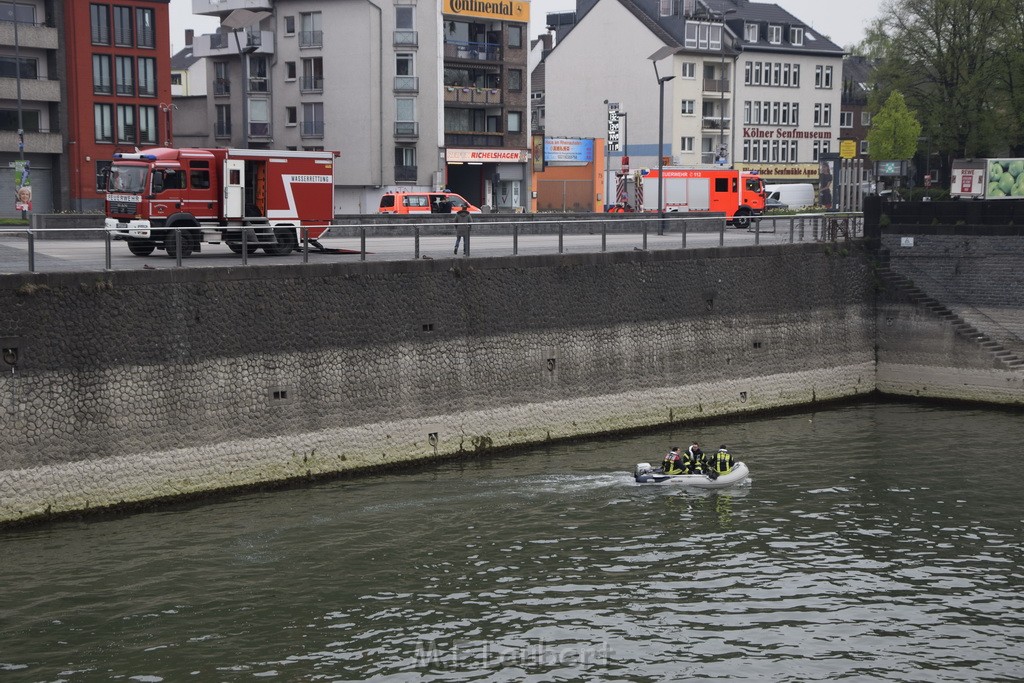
946	57
894	130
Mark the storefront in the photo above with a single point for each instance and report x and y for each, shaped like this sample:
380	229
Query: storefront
489	177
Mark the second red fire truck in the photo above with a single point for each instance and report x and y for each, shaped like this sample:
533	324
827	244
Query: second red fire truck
262	198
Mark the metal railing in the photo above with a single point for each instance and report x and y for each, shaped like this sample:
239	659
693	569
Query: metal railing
387	238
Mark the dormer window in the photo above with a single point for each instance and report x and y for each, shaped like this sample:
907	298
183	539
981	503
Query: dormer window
796	35
750	33
774	34
703	36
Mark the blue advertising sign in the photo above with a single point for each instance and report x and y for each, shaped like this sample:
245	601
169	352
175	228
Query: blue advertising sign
568	150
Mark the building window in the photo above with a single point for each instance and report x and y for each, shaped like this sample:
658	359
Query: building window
864	148
221	80
289	71
148	134
515	36
291	116
126	131
145	34
258	81
101	81
865	118
312	75
104	122
99	24
259	118
403	19
405	156
123	27
312	33
686	107
774	34
822	115
222	127
313	120
102	173
846	119
689	70
703	36
819	147
289	25
515	122
176	78
405	112
686	144
515	80
822	76
125	75
147	77
796	36
751	33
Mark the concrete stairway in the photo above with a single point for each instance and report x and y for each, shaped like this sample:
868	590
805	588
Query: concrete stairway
1001	357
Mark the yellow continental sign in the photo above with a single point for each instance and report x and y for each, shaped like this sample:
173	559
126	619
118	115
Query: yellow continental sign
847	148
509	10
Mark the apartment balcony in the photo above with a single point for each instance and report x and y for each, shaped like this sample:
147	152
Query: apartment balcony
716	122
474	139
407	84
311	39
717	85
35	36
468	95
228	44
311	84
406	174
404	38
40	142
221	87
408	130
311	129
474	52
222	8
32	90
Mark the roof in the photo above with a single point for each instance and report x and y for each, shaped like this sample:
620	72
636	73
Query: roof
671	29
183	59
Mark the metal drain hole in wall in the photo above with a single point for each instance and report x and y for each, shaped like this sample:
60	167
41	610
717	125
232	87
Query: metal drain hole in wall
551	364
428	327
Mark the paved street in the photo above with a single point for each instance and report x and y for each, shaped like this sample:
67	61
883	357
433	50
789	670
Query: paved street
57	255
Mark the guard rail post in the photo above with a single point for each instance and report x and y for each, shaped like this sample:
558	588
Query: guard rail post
106	250
362	244
31	251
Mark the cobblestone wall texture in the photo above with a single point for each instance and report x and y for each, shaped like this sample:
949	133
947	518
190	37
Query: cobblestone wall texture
131	386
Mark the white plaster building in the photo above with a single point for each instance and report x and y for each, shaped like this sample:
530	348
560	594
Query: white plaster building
748	79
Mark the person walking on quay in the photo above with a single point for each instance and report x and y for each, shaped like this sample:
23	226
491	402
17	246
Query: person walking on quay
462	221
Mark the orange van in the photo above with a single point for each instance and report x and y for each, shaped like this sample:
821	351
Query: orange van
423	202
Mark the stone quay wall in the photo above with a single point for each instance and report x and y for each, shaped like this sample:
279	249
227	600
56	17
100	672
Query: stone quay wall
123	387
980	278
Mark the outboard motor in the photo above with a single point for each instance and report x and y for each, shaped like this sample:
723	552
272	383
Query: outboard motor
641	469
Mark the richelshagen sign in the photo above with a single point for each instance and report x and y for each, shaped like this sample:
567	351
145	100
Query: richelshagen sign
482	155
509	10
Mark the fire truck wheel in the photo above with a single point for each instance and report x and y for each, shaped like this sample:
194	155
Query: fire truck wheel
286	242
741	219
141	247
237	247
170	243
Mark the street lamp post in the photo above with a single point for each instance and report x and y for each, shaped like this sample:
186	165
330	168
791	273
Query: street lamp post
660	54
722	83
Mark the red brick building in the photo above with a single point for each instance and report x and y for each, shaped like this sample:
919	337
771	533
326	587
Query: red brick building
118	87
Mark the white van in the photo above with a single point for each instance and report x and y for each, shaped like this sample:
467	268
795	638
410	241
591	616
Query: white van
793	195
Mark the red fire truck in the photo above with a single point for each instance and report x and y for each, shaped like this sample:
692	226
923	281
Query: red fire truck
216	195
738	194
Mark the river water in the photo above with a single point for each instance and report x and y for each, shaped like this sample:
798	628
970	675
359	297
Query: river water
877	541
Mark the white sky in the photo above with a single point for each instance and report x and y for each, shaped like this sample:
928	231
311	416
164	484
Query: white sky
844	22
